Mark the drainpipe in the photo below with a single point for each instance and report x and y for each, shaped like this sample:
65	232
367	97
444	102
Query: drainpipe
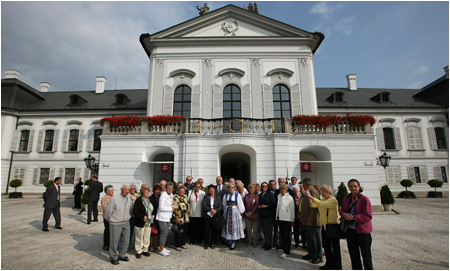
9	173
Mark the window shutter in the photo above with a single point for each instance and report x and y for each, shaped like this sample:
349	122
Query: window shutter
52	174
61	172
30	141
437	173
411	174
55	140
15	140
423	174
77	175
217	102
246	103
80	140
268	103
16	173
398	139
380	139
446	137
90	141
64	140
35	176
40	139
432	136
86	174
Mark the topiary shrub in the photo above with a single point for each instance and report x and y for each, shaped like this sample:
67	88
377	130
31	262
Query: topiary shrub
48	183
435	183
341	193
15	183
85	196
408	194
386	195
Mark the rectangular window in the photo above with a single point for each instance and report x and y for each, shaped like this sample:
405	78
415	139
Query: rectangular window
417	175
24	137
389	139
97	143
48	141
440	138
19	173
73	140
444	174
70	176
44	175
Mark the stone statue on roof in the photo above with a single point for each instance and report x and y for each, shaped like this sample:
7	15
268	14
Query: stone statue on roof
203	10
252	7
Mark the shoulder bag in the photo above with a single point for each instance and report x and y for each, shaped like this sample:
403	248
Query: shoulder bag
333	231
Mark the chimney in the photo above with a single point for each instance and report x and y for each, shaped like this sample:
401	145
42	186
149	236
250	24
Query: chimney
45	86
446	71
351	82
100	87
12	74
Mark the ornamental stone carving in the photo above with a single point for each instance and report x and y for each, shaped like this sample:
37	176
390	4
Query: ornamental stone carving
230	28
203	10
207	62
255	61
303	61
159	62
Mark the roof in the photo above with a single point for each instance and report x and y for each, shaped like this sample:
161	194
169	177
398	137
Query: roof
364	98
436	92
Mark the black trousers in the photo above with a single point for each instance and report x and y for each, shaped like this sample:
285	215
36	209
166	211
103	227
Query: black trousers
56	214
92	209
106	233
210	231
267	229
296	231
359	244
77	199
196	229
180	239
285	235
332	252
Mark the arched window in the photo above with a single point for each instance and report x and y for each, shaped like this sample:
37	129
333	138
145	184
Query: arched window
97	142
281	102
73	140
182	101
48	140
231	102
389	138
24	138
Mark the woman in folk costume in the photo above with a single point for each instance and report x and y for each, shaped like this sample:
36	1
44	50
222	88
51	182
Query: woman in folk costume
233	209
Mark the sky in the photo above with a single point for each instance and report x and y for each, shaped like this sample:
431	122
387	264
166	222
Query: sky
68	44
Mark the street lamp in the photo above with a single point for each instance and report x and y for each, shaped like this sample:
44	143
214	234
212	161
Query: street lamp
384	160
90	163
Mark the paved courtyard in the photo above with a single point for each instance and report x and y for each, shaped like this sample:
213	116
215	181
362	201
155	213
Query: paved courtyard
418	238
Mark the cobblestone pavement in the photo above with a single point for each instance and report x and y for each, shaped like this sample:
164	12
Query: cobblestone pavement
418	238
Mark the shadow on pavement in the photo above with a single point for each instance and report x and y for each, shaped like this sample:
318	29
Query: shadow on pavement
441	263
84	242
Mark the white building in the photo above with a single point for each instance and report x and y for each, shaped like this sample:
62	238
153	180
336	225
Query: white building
239	78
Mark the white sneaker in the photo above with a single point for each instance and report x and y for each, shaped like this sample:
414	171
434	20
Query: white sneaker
283	255
163	253
166	250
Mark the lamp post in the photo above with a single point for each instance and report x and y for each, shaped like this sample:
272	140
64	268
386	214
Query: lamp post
384	160
90	164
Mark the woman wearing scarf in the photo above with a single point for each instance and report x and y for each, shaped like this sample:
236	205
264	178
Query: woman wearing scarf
181	215
233	210
142	211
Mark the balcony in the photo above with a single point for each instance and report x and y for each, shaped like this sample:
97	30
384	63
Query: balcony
236	126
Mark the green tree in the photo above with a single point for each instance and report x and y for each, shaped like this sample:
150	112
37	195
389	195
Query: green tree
406	183
435	183
15	183
386	195
342	192
48	183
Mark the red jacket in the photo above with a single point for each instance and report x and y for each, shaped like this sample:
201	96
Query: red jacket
363	211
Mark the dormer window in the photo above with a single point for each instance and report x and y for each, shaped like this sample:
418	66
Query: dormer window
76	100
336	97
383	97
121	99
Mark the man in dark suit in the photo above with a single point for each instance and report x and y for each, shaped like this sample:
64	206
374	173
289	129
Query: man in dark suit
94	191
52	204
78	191
220	188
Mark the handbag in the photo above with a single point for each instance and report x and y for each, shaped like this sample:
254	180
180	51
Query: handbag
334	231
177	229
218	221
154	230
343	225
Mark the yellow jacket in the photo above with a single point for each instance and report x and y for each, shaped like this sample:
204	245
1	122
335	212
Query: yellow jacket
332	206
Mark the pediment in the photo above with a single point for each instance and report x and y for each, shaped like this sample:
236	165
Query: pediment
231	21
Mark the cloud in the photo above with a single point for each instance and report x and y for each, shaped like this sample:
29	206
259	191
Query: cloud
324	9
345	25
416	84
421	69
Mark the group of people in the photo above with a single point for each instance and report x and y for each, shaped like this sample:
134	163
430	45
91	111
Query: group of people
229	213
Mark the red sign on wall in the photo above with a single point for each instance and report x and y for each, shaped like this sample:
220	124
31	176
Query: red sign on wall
165	169
306	167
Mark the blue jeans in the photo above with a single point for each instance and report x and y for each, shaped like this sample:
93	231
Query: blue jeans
314	240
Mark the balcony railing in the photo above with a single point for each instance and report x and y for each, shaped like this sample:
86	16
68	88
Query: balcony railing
235	126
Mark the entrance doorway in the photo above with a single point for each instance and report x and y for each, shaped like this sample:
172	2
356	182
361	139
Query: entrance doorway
236	165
